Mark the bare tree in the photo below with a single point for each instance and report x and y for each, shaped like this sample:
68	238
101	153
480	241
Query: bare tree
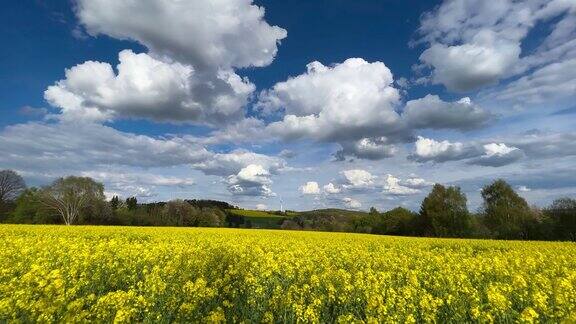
11	185
69	195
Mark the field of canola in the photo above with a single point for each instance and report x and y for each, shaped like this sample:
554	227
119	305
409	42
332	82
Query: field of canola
102	274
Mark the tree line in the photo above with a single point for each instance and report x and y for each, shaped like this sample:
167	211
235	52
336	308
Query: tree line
443	213
81	200
503	215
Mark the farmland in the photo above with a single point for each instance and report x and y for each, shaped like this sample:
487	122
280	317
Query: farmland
261	218
129	274
261	213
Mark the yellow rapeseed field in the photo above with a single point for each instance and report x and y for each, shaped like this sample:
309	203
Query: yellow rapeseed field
122	274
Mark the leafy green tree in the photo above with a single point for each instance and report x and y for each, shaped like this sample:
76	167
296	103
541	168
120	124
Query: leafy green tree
137	217
29	209
179	213
68	196
398	221
98	212
362	223
115	202
131	203
478	229
444	212
212	217
563	213
506	214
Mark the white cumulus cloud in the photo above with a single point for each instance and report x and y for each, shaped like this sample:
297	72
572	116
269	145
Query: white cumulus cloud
358	178
223	164
393	187
331	188
310	188
482	61
347	101
355	104
367	148
253	180
206	34
428	149
145	87
416	183
472	44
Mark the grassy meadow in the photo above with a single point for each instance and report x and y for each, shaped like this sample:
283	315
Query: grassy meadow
153	274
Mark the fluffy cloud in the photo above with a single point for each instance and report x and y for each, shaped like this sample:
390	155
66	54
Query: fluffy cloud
367	148
496	155
358	178
393	187
416	183
430	150
261	207
351	203
187	75
331	189
472	44
432	112
491	154
253	180
148	88
361	181
224	164
355	103
533	145
482	61
310	188
206	34
346	101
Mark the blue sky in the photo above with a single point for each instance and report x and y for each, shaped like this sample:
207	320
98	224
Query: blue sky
324	103
43	43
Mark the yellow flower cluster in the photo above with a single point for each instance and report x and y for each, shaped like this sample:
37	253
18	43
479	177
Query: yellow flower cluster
122	274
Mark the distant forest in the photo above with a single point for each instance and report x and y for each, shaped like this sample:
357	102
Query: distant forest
443	213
